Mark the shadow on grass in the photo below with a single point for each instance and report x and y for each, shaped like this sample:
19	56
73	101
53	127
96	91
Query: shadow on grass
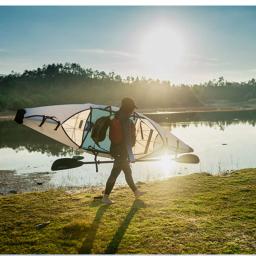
117	238
88	242
87	246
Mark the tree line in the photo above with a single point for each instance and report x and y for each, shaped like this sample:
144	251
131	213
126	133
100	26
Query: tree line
70	83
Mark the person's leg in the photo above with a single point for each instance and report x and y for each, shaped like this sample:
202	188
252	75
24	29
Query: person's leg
128	175
113	176
129	179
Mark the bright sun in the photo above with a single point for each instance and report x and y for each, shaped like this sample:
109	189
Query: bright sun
162	49
166	162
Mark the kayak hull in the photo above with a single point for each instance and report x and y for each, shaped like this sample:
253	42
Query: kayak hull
71	125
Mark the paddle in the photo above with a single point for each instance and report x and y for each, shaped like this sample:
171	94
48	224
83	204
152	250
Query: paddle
188	159
78	157
69	163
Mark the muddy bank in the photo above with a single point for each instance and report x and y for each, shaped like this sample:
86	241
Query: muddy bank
12	183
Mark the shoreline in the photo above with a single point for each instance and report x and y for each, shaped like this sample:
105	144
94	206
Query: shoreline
13	183
8	116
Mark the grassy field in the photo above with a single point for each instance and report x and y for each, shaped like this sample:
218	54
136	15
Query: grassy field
198	213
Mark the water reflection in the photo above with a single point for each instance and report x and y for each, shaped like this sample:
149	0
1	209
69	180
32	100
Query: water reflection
222	144
221	125
221	119
19	137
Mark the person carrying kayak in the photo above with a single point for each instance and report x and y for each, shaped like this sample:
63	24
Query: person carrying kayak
122	137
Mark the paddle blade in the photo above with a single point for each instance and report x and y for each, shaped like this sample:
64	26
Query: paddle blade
78	157
188	159
65	163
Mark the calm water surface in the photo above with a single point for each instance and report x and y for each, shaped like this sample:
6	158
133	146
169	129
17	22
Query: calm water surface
222	143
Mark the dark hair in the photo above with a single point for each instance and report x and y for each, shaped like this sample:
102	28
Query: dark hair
128	104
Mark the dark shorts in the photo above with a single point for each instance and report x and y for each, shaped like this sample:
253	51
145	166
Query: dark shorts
119	152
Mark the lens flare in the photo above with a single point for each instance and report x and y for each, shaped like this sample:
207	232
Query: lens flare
162	49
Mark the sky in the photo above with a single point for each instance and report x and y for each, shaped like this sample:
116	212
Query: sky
181	44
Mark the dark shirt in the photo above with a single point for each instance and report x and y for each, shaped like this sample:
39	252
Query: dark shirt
124	149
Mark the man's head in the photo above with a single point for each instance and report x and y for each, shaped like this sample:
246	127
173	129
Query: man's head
128	105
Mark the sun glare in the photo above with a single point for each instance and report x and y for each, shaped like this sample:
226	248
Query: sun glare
166	162
162	49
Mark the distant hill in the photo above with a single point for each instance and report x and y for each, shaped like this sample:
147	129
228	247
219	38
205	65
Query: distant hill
70	83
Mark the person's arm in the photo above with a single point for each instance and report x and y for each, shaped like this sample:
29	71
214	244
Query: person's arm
128	138
133	134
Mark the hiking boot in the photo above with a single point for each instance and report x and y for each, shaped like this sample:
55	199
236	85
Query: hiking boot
138	193
106	200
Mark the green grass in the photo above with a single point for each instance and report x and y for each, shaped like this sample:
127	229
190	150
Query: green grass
198	213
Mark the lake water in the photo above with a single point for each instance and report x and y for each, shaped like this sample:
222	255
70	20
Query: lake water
224	141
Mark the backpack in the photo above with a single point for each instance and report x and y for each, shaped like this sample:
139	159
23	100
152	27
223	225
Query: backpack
99	129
